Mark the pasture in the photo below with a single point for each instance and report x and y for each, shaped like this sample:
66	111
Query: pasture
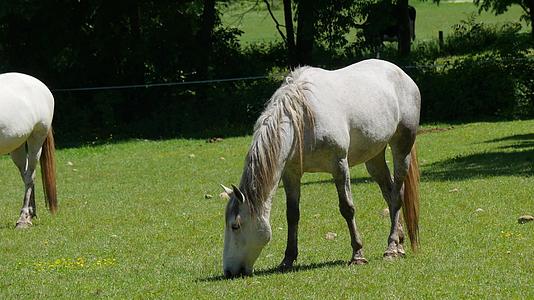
258	26
136	220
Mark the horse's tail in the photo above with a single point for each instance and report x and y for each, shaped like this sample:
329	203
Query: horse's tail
410	204
48	171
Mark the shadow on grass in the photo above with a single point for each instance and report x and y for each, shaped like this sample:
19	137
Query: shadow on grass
276	270
515	159
358	180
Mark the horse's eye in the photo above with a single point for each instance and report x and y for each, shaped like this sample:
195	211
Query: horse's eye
237	223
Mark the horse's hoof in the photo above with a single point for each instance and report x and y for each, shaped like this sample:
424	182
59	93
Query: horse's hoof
400	251
285	265
358	261
391	255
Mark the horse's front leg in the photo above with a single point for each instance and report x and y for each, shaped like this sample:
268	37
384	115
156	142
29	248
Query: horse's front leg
346	207
292	188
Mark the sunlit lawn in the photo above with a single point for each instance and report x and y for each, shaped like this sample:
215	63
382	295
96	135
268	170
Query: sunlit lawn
258	26
134	222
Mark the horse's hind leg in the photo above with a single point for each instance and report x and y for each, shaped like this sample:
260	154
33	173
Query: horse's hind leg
401	146
379	171
26	158
292	188
346	207
27	212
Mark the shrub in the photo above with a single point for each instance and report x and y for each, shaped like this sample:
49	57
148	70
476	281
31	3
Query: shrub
477	86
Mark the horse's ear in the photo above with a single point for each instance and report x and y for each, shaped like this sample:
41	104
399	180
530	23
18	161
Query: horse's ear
227	190
238	194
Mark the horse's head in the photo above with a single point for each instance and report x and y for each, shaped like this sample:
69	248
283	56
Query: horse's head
245	235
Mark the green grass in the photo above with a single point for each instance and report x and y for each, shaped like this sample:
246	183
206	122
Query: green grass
134	223
258	26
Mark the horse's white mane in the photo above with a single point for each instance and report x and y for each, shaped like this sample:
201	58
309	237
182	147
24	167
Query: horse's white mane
261	164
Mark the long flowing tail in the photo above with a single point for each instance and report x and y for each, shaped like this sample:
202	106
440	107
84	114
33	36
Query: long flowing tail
48	171
410	207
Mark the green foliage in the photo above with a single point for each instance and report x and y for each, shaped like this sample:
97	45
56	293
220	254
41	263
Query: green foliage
475	87
334	21
501	6
104	44
472	36
482	71
134	222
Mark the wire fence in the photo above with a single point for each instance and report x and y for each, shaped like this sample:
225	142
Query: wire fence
245	78
164	84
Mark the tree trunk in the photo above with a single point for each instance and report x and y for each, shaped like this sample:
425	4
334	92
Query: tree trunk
404	28
135	69
203	101
290	35
138	64
206	38
305	32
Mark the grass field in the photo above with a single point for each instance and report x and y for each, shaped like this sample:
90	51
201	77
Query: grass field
134	223
257	24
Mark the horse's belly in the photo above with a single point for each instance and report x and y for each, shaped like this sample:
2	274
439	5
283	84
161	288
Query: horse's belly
15	129
10	144
323	159
357	154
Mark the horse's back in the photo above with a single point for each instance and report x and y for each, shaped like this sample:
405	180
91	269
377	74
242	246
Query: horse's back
359	108
370	89
26	106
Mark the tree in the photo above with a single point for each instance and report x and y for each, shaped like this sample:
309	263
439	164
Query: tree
388	20
317	21
300	47
501	6
209	18
289	36
327	23
305	31
404	38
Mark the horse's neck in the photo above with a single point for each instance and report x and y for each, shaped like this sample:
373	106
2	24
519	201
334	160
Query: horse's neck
270	184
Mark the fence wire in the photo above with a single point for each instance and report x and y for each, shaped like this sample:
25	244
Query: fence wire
245	78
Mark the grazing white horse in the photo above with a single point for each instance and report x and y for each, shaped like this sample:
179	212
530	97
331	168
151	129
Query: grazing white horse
26	111
327	121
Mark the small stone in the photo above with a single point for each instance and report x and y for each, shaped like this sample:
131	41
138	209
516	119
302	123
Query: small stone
214	140
525	219
330	236
222	158
208	196
454	190
192	155
479	210
385	212
70	163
